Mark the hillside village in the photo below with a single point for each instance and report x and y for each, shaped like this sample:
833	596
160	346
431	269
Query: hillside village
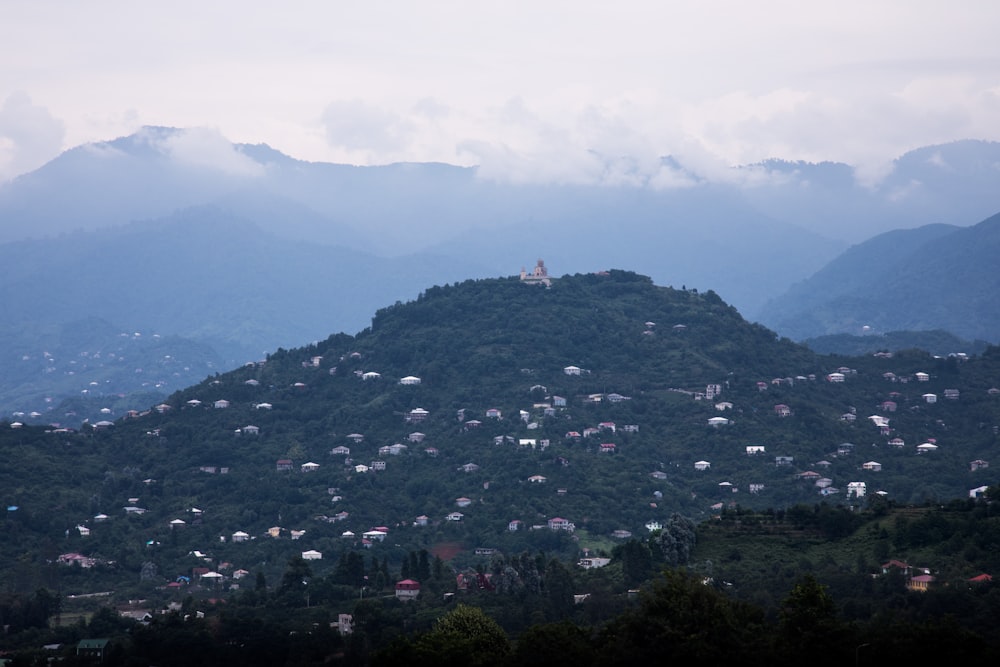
605	421
516	460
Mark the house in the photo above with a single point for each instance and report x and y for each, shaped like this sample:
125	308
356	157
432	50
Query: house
422	520
572	370
951	394
312	554
463	501
537	479
514	525
250	429
493	413
835	377
809	475
607	426
409	380
371	375
455	516
262	406
879	420
399	448
783	460
416	436
926	448
309	467
897	443
375	535
922	377
856	489
782	410
558	523
469	467
340	450
559	401
978	464
888	406
653	525
920	583
93	649
283	464
845	448
702	465
978	492
416	415
361	468
240	536
873	466
407	589
930	398
592	562
722	406
904	568
221	404
356	438
755	449
658	474
621	534
717	421
377	465
607	448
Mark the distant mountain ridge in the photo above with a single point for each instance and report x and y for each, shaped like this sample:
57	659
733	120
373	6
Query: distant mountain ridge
245	249
932	277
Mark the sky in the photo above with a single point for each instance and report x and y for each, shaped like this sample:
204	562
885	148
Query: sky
550	91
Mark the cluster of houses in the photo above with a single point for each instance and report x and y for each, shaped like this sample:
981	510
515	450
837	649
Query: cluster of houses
920	579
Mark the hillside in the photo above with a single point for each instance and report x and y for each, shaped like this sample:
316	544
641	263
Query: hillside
933	277
585	404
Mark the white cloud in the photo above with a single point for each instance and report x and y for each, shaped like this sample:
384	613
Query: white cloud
206	148
559	91
29	135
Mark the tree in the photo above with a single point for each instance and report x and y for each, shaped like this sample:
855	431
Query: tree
463	636
808	622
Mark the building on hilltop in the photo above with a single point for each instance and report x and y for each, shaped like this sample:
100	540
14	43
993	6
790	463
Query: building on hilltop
538	276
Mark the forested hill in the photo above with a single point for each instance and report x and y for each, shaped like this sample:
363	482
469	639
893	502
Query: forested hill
617	326
592	408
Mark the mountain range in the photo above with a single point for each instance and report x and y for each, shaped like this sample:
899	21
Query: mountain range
932	277
240	249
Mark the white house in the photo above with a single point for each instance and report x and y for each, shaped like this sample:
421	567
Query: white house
409	380
702	465
572	370
856	489
312	554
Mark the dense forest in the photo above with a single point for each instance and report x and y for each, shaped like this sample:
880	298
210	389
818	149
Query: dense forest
566	458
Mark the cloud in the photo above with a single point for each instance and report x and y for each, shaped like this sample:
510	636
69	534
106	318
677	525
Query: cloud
359	126
206	148
30	136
